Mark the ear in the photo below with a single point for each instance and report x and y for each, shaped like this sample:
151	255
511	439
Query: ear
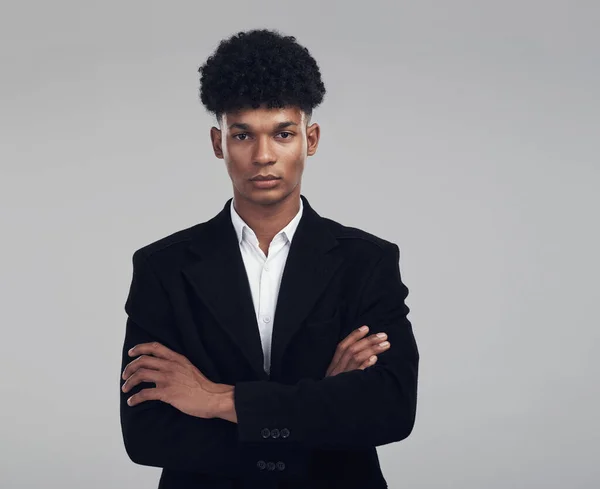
313	134
217	143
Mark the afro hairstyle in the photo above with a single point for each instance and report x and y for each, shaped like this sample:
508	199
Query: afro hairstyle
260	67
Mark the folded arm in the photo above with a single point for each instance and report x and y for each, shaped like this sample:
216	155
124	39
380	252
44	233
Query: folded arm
352	410
155	433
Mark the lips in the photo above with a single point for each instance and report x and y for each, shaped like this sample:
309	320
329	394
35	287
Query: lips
264	178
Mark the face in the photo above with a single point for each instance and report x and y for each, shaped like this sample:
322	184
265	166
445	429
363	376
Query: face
265	142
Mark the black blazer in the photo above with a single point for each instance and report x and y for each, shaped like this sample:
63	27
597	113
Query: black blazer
296	428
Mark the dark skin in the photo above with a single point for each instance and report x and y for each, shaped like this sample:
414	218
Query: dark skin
265	141
251	141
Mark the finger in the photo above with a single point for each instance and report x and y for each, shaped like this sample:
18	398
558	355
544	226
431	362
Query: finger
156	349
358	352
149	394
364	355
377	347
344	356
364	359
346	342
144	361
143	375
368	362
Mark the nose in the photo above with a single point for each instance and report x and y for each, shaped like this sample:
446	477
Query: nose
263	153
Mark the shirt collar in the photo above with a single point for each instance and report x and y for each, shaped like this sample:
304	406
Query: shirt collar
240	225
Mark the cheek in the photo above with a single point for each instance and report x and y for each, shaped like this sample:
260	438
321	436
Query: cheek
235	162
235	152
294	159
299	168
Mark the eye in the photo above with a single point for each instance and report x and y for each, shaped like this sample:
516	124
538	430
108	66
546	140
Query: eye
288	133
240	134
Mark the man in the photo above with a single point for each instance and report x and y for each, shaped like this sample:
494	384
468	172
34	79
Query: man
247	366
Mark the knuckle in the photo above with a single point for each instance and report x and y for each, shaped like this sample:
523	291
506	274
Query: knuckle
360	358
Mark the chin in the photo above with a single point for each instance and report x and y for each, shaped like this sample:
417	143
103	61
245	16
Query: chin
266	196
272	198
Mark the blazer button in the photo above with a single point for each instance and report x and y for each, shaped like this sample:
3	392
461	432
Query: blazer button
266	432
270	466
280	466
261	464
285	433
275	433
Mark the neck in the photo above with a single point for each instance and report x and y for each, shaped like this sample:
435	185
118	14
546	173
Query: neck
267	220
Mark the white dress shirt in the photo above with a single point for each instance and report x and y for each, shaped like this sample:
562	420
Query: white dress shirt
264	273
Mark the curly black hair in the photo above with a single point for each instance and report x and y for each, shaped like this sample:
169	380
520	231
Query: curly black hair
260	67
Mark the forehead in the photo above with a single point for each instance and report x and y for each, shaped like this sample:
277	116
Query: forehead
264	117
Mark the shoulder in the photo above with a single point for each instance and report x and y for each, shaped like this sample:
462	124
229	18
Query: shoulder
170	244
360	242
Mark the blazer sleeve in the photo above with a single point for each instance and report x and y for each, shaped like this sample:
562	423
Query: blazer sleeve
156	433
352	410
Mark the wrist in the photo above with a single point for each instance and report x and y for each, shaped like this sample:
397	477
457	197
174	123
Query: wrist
223	405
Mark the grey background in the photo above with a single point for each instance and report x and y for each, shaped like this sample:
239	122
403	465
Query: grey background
466	132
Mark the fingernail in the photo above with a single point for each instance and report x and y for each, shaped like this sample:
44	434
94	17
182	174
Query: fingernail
372	359
362	329
381	335
384	344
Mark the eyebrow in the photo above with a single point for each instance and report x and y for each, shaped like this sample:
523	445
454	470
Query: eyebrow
246	127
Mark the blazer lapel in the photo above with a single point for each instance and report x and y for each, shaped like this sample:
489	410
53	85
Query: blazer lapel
218	276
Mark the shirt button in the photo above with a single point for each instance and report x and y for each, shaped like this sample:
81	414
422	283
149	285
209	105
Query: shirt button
280	466
266	432
285	433
275	433
261	464
266	319
267	268
270	466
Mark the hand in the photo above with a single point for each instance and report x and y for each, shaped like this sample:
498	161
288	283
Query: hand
178	381
355	353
